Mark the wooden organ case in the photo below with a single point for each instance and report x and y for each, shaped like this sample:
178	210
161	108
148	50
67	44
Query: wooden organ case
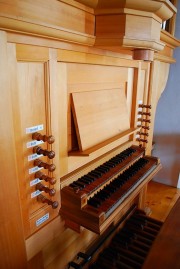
80	82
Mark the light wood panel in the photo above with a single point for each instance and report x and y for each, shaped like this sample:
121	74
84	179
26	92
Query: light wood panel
12	248
36	262
31	87
90	77
103	113
31	109
28	52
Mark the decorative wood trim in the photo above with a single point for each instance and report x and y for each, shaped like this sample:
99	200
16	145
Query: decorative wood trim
91	58
164	58
20	20
105	144
79	5
162	8
46	31
129	43
169	39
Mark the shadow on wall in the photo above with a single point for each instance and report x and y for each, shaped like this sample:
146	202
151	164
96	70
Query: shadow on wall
167	148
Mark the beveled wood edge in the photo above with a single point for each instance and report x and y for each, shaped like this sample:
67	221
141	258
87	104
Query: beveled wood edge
164	9
53	32
164	58
103	144
130	43
46	31
78	5
169	39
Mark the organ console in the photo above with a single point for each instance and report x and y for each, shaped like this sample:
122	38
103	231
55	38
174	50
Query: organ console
93	198
80	83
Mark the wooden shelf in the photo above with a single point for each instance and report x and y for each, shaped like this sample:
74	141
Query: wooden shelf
112	142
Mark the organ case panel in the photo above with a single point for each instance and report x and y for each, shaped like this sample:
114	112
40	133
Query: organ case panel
58	80
56	74
34	139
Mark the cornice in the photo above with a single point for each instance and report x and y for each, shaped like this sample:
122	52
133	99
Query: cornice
120	32
164	9
169	39
46	31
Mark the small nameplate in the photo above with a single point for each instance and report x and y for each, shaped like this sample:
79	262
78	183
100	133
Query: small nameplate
34	181
34	143
34	156
42	219
34	129
36	193
34	169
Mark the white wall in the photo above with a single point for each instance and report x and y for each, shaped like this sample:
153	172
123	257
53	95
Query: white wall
167	122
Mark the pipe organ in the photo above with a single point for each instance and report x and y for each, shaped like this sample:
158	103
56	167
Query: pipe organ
80	82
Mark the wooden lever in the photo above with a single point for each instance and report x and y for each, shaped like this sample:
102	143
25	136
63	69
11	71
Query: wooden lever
42	176
41	187
142	140
37	136
43	199
145	106
49	153
144	120
50	167
145	127
141	133
144	113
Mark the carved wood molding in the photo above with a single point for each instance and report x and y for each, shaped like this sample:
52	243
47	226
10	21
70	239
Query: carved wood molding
45	31
169	39
126	24
164	9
